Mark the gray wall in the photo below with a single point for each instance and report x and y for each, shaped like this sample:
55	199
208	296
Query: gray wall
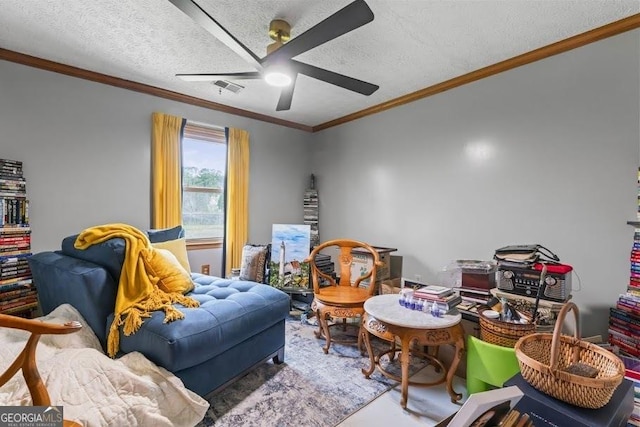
86	153
546	153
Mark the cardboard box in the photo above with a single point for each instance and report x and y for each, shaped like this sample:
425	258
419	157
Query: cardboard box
390	286
363	261
545	410
396	266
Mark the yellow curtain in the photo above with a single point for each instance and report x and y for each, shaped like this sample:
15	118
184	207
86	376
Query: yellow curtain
166	181
237	197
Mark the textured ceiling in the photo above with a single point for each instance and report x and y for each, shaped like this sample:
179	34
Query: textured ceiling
410	45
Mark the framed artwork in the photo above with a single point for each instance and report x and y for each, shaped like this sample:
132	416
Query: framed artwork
290	246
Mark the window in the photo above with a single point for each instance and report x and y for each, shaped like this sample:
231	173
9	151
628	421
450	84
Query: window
204	154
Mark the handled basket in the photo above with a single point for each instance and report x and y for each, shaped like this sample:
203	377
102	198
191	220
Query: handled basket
544	358
505	334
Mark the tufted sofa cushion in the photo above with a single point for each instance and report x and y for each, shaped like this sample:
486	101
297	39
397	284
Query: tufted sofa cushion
230	312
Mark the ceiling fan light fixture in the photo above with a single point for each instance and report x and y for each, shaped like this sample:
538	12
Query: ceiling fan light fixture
278	67
277	76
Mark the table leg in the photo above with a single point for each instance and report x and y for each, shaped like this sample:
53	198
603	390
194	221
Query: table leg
459	345
367	343
405	356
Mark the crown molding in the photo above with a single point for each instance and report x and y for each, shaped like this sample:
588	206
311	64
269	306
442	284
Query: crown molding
597	34
562	46
80	73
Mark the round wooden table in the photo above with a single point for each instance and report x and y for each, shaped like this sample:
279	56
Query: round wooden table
386	319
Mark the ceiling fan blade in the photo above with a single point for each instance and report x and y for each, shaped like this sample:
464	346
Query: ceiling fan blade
284	103
334	78
209	77
346	19
195	12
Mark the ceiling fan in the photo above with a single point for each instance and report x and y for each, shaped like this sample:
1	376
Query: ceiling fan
278	67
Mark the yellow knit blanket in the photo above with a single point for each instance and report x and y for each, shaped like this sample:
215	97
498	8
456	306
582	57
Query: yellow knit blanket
141	289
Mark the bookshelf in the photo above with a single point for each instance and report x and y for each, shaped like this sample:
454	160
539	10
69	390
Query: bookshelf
18	296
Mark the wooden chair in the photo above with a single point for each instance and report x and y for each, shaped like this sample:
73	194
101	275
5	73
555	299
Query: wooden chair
26	360
341	299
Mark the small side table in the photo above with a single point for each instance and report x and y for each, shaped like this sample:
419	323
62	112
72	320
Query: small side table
298	305
386	319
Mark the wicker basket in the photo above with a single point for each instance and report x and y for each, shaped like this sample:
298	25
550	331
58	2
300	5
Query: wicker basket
544	357
501	333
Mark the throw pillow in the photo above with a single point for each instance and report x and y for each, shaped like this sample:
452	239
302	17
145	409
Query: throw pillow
177	247
254	261
109	254
164	234
172	277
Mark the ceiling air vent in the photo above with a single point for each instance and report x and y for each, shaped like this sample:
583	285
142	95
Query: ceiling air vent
232	87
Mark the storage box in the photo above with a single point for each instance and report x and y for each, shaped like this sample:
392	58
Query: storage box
390	286
545	410
363	261
477	274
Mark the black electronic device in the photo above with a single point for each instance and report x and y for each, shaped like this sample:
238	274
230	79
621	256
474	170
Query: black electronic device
526	281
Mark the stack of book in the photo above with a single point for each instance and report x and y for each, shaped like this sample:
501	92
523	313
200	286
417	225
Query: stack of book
472	298
445	297
311	211
17	294
632	373
471	295
624	318
624	325
13	194
634	259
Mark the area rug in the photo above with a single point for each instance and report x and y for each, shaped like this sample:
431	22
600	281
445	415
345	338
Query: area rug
310	389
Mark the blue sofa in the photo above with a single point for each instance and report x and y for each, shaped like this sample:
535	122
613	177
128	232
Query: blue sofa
238	325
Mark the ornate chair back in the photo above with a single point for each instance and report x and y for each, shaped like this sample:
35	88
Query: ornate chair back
343	298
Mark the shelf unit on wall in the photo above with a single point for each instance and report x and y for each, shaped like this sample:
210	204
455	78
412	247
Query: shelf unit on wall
18	295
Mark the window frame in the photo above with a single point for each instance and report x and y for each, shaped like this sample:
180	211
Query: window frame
215	135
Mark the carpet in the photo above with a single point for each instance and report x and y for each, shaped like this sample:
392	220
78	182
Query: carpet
309	389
